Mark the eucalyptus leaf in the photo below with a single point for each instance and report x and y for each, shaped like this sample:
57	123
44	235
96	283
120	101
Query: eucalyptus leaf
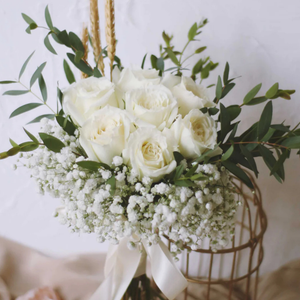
226	74
238	172
265	120
172	56
31	136
25	64
250	159
193	31
178	157
16	92
27	19
234	111
68	72
39	118
28	146
67	126
143	62
51	142
225	122
252	93
76	42
160	65
48	45
13	143
48	18
257	100
43	88
37	73
201	49
219	88
228	153
153	60
178	172
198	67
185	183
112	182
191	171
272	91
64	38
7	82
82	66
227	89
93	165
292	142
24	108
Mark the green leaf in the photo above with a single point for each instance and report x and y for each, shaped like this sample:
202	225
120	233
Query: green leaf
68	72
153	60
272	91
48	45
228	153
55	35
205	71
143	62
226	74
219	88
257	100
172	56
186	183
64	38
191	171
198	67
284	95
24	108
31	136
48	18
178	157
3	155
33	26
160	65
28	30
213	111
51	142
93	165
37	73
76	42
27	19
67	126
201	49
280	127
193	31
234	111
280	162
265	120
97	73
250	159
178	172
269	160
238	172
7	82
43	88
82	66
13	143
206	154
78	56
227	89
16	92
233	132
198	177
25	64
292	142
225	122
112	182
39	118
252	93
60	95
13	151
28	146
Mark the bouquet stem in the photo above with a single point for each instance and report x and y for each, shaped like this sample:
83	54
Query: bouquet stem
141	288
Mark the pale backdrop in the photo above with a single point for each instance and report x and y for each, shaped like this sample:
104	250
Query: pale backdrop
259	38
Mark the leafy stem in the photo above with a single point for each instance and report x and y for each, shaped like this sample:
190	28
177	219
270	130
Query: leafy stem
35	95
260	143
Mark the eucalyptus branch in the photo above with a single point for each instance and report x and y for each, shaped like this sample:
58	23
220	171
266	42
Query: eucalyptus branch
35	95
260	143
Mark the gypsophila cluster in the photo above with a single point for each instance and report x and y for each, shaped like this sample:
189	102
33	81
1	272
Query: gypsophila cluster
149	210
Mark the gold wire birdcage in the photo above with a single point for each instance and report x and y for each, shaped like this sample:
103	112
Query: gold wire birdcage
234	269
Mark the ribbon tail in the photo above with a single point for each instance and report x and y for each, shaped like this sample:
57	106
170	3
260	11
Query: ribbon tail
165	273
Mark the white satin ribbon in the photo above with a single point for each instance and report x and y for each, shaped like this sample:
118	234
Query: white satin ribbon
122	265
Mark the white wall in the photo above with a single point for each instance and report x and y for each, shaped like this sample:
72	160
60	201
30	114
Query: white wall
259	38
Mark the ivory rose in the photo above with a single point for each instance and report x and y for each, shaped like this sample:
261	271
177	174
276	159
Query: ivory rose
88	95
188	94
104	135
195	134
150	153
154	105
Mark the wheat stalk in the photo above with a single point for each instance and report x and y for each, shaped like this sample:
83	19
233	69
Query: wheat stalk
110	32
95	34
85	41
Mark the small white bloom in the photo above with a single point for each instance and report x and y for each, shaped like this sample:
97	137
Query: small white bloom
117	161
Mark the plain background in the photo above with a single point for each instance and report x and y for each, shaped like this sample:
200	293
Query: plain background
260	40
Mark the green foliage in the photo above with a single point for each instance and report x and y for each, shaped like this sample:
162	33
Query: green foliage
252	94
37	73
68	72
43	88
93	165
24	108
39	118
265	121
25	65
51	142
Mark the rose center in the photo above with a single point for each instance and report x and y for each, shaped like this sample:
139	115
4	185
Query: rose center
153	101
152	154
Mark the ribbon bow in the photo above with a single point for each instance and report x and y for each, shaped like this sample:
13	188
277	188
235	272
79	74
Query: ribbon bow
123	264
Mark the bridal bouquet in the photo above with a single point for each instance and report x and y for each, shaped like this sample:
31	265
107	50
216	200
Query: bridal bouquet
146	153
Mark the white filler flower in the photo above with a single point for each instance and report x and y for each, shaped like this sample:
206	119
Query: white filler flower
150	153
85	97
188	94
155	105
105	134
195	134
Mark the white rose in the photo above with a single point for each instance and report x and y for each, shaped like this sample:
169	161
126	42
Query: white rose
195	133
103	136
154	105
150	153
189	94
129	79
88	95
